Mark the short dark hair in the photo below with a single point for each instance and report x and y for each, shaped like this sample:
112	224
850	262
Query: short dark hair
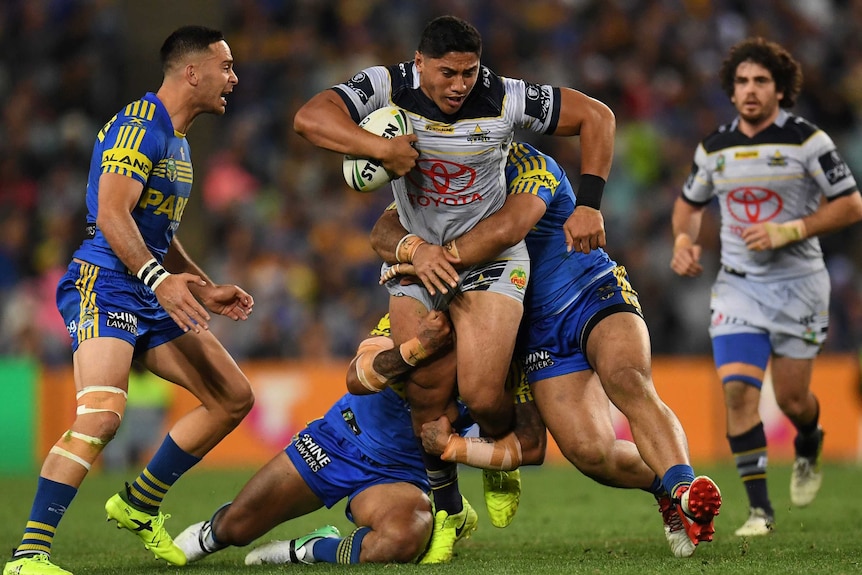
446	34
187	40
786	71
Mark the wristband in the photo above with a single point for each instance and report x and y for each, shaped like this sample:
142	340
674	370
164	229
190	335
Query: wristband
590	191
412	352
152	274
406	247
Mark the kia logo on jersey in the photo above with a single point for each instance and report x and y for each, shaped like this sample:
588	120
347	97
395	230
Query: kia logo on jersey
751	205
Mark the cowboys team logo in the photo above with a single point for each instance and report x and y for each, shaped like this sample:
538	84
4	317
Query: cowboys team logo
171	169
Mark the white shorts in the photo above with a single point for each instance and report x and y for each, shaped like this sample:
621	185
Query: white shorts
795	312
508	274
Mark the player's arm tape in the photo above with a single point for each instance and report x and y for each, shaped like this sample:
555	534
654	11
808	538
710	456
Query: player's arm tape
365	372
452	249
412	351
503	454
590	191
782	234
406	248
152	273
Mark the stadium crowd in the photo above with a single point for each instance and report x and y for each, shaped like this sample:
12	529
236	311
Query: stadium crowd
271	212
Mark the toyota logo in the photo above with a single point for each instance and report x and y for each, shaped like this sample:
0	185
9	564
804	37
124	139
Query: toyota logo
442	177
751	205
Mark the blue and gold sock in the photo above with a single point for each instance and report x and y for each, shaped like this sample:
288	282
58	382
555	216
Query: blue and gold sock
167	465
344	551
49	505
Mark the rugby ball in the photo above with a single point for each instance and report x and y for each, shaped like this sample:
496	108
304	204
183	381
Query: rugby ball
368	174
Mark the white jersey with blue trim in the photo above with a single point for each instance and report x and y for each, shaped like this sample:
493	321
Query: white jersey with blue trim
459	177
778	175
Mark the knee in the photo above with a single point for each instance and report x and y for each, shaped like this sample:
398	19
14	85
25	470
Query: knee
792	405
739	396
591	458
101	425
238	405
232	526
398	542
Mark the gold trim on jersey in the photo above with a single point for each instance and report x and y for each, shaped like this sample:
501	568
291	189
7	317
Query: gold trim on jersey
141	109
88	316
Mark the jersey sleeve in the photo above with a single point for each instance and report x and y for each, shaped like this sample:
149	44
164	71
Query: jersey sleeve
535	107
698	188
129	149
532	175
827	167
368	90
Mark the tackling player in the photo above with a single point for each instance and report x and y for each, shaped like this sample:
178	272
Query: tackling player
583	341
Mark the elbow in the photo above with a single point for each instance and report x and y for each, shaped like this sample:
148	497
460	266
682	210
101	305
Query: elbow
301	122
508	236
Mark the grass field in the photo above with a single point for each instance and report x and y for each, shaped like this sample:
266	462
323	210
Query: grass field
566	524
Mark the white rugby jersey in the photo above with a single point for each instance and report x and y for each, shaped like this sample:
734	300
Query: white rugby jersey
776	176
459	176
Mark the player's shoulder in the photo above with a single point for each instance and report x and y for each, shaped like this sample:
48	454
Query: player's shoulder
722	137
488	95
798	128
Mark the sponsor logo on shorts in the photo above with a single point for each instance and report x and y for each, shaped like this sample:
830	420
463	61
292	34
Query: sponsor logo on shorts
537	360
350	420
123	320
518	277
313	455
88	319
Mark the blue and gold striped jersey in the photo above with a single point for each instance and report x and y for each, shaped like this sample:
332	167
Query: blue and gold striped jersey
140	142
557	276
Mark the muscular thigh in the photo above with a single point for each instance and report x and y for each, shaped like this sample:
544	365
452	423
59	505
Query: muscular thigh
393	505
575	410
199	363
560	344
486	326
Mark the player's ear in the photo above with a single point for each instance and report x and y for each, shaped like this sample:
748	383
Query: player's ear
191	74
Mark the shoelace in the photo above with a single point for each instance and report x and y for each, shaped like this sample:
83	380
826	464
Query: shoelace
670	517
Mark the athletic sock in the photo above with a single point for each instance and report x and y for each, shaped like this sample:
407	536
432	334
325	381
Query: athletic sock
677	476
167	465
443	477
346	550
749	452
808	437
49	505
657	487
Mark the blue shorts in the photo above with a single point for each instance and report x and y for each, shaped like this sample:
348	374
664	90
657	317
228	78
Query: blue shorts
554	345
335	468
97	302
